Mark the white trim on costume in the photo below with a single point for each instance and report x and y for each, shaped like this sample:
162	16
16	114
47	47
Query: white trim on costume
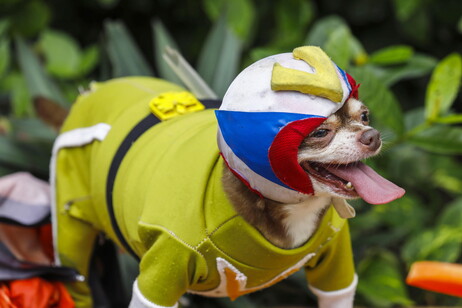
73	138
139	301
336	299
221	289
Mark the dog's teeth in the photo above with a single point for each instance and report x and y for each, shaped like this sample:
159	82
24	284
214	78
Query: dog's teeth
349	186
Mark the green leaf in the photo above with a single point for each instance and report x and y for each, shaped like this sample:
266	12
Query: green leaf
263	52
414	118
33	17
292	18
20	101
108	4
38	82
163	39
125	56
62	54
219	58
338	48
418	26
4	26
240	302
358	52
439	244
333	34
405	8
240	14
459	25
388	224
323	28
444	86
381	282
379	99
396	214
452	214
20	97
439	139
23	156
89	59
5	57
33	130
5	126
392	55
419	65
450	119
449	178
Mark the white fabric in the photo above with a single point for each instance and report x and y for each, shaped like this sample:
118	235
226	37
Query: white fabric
23	187
221	289
72	138
139	301
336	299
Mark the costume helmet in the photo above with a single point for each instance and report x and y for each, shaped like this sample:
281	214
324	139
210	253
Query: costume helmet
269	109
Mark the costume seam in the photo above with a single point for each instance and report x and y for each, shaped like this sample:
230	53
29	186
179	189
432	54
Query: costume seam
221	225
173	235
138	86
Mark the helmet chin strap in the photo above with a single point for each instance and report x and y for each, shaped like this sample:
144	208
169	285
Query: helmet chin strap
343	209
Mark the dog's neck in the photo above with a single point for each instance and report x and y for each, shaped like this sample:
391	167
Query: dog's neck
284	225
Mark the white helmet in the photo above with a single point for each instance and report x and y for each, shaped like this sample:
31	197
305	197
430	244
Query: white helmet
269	109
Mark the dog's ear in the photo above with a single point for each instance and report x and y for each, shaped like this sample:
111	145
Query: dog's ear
50	112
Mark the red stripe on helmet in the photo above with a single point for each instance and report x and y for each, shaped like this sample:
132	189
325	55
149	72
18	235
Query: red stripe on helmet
284	151
354	86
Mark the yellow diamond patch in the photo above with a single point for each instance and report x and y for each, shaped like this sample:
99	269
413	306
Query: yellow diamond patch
171	104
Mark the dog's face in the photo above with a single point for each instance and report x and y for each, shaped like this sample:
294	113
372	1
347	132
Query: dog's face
343	139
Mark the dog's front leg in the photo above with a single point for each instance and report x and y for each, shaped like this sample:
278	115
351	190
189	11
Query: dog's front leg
168	269
336	299
331	274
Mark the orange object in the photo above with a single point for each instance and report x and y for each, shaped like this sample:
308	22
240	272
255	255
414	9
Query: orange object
435	276
34	293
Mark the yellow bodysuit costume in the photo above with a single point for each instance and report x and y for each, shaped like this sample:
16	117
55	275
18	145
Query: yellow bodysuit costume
168	206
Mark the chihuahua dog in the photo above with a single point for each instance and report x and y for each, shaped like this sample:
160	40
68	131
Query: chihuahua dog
222	218
345	138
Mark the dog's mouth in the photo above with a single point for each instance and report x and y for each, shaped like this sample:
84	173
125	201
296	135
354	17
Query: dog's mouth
322	174
354	180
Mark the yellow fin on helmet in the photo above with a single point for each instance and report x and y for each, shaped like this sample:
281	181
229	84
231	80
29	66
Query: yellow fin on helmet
324	82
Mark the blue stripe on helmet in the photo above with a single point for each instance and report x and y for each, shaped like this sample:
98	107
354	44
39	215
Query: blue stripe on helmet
250	135
345	78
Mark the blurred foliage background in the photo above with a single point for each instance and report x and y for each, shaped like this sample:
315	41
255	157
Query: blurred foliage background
405	53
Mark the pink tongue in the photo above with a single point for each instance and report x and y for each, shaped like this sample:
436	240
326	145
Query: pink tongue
368	184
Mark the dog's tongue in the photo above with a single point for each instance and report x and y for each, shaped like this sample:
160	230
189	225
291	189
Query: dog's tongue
372	187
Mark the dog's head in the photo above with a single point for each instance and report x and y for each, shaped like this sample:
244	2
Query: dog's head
331	156
291	126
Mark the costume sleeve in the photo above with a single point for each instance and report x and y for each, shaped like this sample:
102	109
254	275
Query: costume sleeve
331	273
167	270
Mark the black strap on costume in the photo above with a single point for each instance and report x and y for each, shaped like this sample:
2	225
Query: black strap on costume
140	128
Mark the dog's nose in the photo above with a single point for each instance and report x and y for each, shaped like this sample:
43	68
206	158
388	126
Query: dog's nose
371	139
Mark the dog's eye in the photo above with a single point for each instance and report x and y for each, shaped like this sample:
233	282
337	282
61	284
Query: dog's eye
319	133
364	117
